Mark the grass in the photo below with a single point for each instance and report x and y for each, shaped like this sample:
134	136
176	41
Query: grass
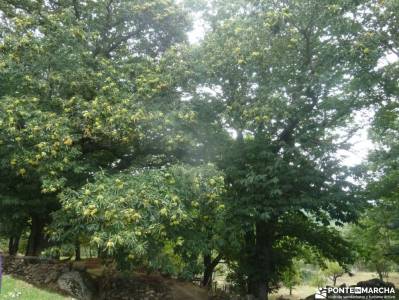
17	289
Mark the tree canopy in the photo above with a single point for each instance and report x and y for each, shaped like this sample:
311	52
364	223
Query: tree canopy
116	133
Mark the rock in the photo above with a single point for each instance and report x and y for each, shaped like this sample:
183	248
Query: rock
375	283
77	284
51	277
79	266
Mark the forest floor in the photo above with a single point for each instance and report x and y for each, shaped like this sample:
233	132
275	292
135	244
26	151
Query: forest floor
186	291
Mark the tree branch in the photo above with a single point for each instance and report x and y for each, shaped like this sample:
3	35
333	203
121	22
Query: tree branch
76	9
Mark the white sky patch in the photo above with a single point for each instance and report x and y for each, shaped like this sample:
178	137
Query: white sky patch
199	29
361	146
390	58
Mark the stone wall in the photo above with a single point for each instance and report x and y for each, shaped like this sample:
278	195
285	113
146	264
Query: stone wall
70	279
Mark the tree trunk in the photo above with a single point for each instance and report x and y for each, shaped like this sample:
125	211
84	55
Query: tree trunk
262	260
77	251
263	293
102	254
380	271
248	261
334	280
13	244
257	258
36	237
209	267
290	290
207	278
380	275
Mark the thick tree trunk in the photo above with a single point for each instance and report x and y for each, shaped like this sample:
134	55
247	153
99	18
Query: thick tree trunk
13	245
262	265
248	261
257	258
263	293
77	251
251	285
36	237
209	267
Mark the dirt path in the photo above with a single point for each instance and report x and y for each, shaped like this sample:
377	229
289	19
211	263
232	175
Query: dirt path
187	291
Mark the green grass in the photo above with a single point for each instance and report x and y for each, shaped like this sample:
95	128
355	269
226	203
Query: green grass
17	289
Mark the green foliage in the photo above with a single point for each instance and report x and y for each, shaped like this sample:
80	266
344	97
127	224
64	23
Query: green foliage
143	217
281	78
376	234
83	87
109	120
319	279
292	276
333	270
375	241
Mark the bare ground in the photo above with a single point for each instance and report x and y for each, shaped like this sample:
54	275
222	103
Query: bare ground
187	291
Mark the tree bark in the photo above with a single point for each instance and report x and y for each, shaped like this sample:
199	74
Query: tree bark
207	278
77	251
380	275
263	259
36	237
209	267
257	258
263	293
13	244
380	272
248	261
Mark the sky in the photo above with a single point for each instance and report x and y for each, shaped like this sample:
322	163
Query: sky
361	144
